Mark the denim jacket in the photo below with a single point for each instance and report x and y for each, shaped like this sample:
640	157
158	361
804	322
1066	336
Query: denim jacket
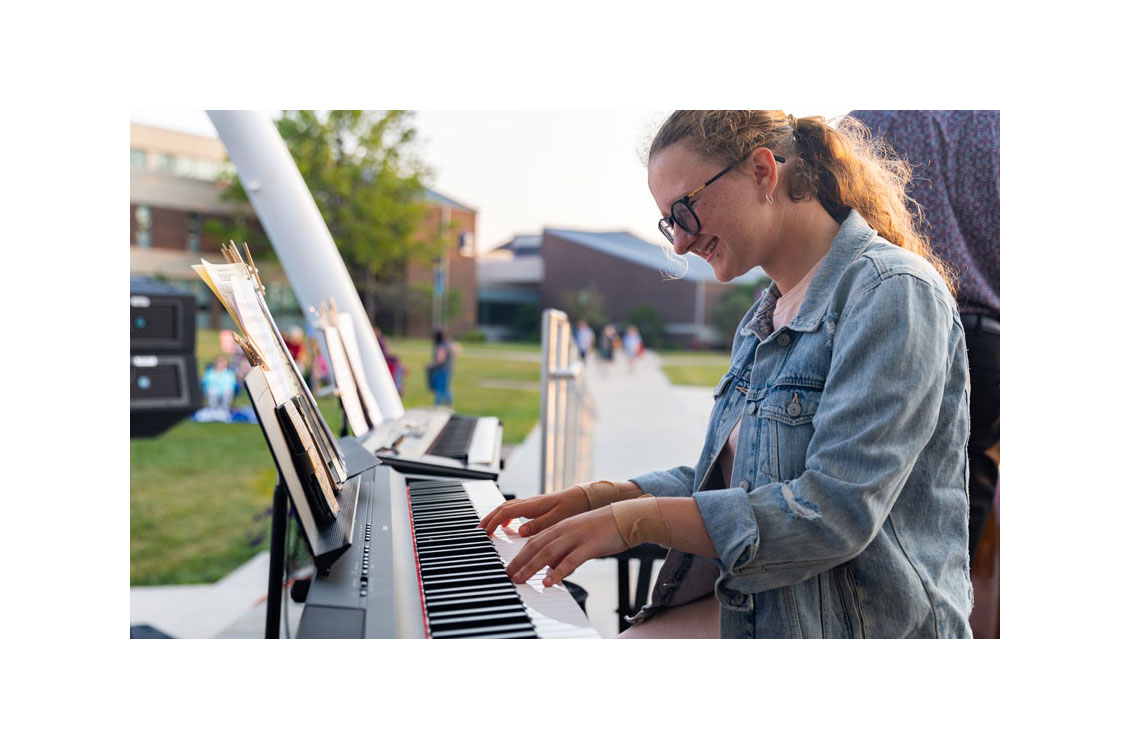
847	511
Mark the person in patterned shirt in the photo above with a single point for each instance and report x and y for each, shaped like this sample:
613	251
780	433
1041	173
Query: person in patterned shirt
956	158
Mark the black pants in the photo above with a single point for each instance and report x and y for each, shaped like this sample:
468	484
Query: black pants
983	341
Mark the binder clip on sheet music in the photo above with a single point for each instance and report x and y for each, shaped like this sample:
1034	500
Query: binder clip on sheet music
316	456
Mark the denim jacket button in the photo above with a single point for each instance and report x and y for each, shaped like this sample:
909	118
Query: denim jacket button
783	339
793	410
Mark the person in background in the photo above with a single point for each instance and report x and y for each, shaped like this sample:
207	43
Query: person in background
956	158
442	367
219	384
829	496
237	360
585	338
633	346
395	366
609	343
293	340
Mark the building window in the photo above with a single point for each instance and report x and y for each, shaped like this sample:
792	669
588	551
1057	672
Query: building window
195	227
137	158
144	235
166	162
200	169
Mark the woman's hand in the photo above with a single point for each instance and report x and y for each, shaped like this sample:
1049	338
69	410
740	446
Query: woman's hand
544	510
568	544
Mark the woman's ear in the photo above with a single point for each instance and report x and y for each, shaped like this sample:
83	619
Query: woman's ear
763	167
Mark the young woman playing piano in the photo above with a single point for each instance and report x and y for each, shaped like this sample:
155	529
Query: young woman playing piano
829	498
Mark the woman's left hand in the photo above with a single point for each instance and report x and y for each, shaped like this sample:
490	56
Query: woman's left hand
566	545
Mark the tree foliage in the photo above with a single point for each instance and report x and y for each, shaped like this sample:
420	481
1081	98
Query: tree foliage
585	304
650	324
369	186
732	308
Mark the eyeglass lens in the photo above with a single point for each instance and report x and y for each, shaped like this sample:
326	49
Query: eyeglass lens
684	217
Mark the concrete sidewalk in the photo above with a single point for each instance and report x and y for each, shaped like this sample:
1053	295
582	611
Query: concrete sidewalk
642	423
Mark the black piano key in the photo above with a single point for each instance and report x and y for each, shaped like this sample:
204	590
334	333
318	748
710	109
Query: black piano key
468	589
463	603
504	631
484	613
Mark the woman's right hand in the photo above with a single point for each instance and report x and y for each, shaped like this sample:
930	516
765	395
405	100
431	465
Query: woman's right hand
542	510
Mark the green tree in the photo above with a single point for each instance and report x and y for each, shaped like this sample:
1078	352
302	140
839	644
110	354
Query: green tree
733	306
650	324
369	186
585	304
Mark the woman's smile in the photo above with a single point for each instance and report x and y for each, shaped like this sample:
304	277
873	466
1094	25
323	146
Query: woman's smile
709	250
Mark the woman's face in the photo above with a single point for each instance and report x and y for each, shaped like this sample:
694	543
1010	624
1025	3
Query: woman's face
728	210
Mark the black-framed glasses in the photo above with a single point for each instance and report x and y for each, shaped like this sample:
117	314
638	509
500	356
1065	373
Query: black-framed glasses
682	212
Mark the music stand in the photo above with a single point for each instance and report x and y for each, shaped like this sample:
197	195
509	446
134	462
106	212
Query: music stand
326	541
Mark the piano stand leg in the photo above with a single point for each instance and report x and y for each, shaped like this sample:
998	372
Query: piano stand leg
624	607
278	542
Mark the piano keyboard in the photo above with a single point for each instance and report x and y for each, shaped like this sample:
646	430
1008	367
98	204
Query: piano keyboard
437	442
455	439
463	571
425	539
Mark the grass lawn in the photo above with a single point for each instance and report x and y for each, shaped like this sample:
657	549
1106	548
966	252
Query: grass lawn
200	494
695	368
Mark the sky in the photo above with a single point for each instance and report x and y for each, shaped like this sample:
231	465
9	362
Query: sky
523	171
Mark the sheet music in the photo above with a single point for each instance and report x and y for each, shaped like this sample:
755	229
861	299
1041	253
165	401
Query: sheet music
237	287
349	338
257	327
346	386
327	445
218	277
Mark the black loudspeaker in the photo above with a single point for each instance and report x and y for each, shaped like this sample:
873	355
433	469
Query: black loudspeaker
164	386
162	318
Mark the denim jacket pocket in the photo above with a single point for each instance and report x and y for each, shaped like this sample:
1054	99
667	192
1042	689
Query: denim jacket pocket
721	387
788	411
839	607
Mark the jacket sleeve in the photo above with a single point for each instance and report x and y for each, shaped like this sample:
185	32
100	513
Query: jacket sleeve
677	482
878	410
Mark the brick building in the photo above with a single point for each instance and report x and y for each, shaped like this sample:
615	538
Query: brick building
175	189
456	272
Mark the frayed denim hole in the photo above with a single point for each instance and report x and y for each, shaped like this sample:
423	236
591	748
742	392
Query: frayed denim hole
798	506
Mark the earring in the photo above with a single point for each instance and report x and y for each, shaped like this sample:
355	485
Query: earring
768	198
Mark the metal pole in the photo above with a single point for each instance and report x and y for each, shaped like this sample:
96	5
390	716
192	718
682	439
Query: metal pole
546	439
299	234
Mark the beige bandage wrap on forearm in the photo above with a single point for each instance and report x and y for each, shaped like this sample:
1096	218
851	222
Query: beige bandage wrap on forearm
603	493
639	521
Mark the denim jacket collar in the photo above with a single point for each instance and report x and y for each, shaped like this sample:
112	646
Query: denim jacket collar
854	236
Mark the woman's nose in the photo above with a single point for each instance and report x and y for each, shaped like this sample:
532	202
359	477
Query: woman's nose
682	240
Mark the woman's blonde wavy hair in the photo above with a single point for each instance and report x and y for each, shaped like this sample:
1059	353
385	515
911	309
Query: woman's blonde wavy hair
842	167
